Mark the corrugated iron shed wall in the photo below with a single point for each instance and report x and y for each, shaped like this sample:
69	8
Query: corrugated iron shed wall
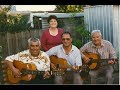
105	18
44	17
116	28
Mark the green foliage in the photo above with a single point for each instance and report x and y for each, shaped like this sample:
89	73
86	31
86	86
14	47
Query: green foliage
80	34
5	8
12	23
61	23
0	53
18	23
61	8
69	8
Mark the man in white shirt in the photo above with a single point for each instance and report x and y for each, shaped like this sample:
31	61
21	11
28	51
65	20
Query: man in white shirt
31	56
69	52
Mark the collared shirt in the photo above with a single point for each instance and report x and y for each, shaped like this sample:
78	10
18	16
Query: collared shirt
42	62
105	51
73	58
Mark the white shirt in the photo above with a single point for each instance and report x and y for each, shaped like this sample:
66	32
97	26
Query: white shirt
42	62
73	58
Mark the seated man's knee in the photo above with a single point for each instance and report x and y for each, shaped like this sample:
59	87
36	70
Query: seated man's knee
92	74
77	79
109	75
58	80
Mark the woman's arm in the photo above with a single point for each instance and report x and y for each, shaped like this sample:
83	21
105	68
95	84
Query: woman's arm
44	41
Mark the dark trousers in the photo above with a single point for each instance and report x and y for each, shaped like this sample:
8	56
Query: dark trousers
39	80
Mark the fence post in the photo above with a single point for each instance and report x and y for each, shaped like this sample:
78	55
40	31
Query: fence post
0	64
0	53
1	70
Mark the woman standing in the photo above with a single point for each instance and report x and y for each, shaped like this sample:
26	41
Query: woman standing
51	36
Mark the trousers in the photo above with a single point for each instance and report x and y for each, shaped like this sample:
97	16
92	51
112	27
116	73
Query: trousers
73	76
107	71
39	80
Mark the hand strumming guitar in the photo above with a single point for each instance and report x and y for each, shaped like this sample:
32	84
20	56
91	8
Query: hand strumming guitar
16	72
46	75
86	59
75	68
52	66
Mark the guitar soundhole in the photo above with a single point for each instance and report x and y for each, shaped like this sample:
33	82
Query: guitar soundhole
90	58
90	62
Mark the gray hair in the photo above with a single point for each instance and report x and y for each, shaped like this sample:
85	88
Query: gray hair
96	31
33	39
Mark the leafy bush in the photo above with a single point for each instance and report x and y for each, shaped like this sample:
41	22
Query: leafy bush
18	23
80	34
61	23
12	23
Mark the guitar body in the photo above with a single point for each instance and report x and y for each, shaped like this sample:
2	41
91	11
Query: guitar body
26	69
59	61
64	65
20	65
93	65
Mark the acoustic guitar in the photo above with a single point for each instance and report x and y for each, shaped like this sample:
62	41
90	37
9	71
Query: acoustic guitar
59	62
64	65
95	61
23	67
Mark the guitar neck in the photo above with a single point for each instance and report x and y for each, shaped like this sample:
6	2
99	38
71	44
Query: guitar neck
100	60
54	72
33	72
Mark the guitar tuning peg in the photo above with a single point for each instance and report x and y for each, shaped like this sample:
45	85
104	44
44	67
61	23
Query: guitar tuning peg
2	62
4	71
5	79
4	66
4	75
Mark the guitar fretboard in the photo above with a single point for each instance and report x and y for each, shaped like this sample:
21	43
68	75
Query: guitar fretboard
24	71
55	72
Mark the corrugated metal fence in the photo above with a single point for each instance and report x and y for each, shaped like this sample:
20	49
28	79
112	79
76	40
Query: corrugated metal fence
105	18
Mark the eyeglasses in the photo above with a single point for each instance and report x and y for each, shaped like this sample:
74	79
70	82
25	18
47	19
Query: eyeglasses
63	39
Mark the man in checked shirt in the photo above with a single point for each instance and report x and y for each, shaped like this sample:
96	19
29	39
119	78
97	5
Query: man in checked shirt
33	55
105	50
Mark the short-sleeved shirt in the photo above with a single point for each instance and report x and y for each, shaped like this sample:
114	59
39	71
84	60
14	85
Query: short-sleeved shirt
42	61
106	51
73	58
